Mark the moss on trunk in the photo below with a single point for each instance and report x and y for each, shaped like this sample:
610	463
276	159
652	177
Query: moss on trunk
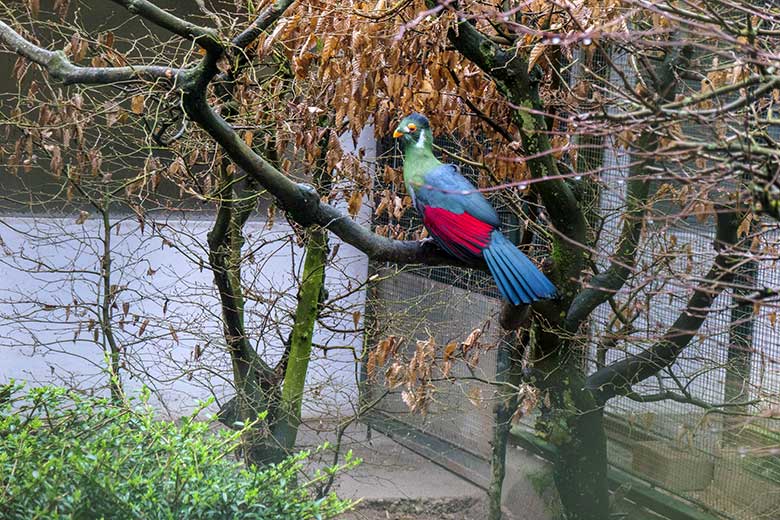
302	336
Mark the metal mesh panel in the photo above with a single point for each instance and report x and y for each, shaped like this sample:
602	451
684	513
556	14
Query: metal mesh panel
727	463
446	303
413	306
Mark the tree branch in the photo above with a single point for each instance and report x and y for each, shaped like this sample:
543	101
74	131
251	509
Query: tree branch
205	37
668	395
619	377
301	201
225	241
264	20
606	284
59	67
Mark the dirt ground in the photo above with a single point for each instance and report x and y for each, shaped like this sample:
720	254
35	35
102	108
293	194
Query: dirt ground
468	508
393	483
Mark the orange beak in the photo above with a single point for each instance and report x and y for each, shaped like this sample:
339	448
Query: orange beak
397	133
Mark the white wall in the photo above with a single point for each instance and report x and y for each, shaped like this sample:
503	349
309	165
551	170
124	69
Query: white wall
48	262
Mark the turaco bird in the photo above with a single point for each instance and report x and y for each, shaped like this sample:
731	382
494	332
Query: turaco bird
461	220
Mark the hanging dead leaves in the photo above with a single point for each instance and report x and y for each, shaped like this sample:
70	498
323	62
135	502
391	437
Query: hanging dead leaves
379	354
391	203
416	371
325	65
351	63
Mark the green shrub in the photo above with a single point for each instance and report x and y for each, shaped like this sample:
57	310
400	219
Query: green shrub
67	456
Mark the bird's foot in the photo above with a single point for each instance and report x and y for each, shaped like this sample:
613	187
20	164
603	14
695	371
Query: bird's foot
428	244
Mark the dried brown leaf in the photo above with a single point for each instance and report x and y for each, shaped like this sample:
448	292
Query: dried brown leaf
473	359
475	395
137	104
744	226
355	203
174	335
385	349
472	340
395	375
536	53
142	328
56	163
371	365
398	207
108	39
409	399
449	350
381	207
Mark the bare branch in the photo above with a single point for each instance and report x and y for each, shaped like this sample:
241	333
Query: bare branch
668	395
619	377
203	36
58	65
607	283
302	201
264	20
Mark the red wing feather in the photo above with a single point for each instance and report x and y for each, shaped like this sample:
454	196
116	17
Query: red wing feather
458	231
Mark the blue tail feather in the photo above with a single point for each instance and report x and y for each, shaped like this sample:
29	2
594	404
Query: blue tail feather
504	263
513	269
498	275
516	276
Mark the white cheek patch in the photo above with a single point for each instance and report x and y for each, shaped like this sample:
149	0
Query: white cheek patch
421	141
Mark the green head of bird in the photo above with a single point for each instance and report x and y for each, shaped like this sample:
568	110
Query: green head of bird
414	130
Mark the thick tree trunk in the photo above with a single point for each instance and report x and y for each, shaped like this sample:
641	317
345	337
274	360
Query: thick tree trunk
312	280
255	381
580	469
573	423
277	391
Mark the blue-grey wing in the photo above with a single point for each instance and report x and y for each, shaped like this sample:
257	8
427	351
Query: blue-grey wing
446	188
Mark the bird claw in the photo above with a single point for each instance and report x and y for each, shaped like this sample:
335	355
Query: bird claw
429	245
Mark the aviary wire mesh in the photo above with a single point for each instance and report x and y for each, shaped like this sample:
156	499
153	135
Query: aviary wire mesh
729	464
415	303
